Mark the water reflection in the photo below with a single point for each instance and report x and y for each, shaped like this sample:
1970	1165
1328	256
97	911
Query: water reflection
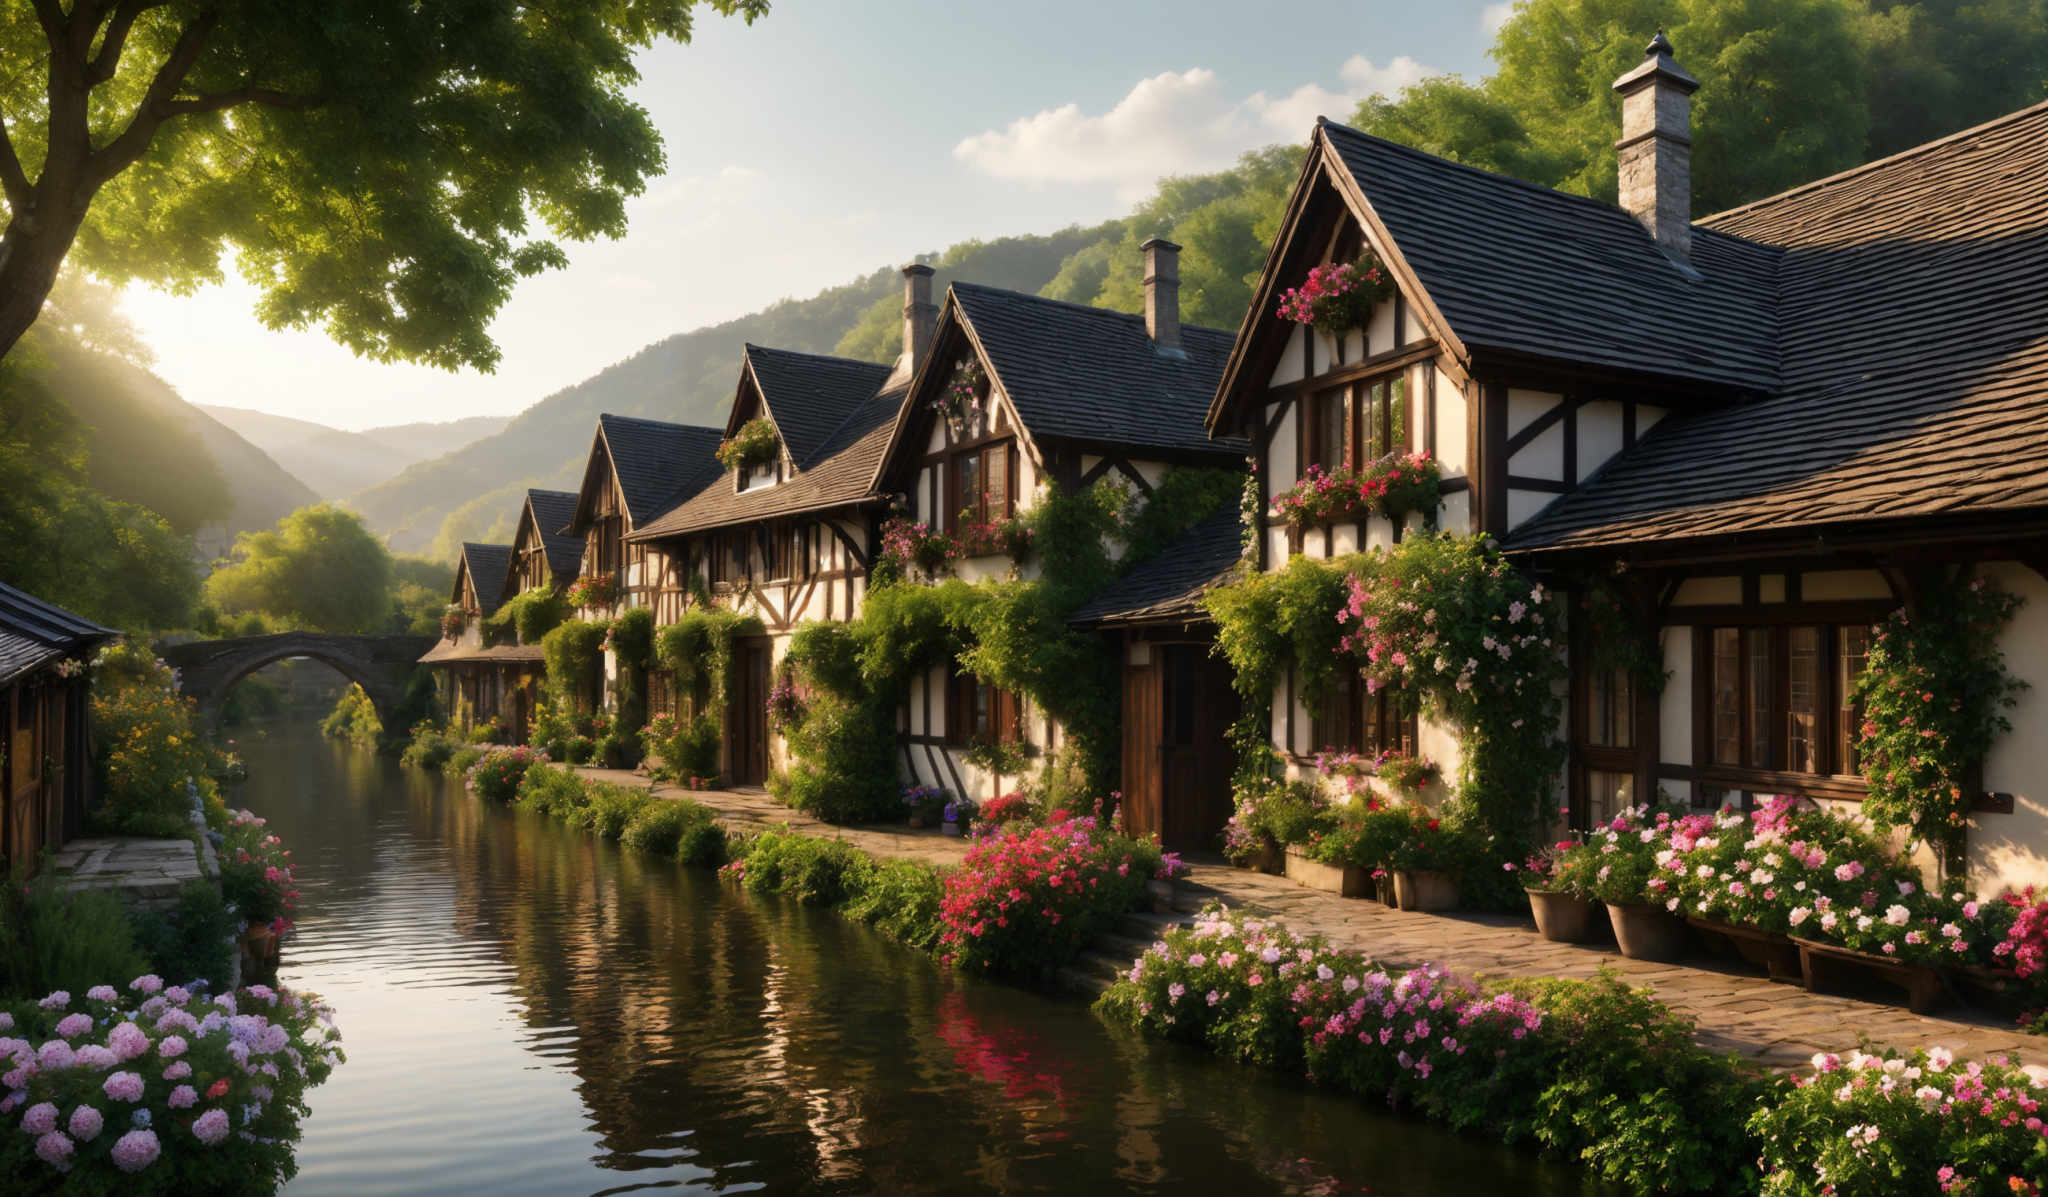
530	1011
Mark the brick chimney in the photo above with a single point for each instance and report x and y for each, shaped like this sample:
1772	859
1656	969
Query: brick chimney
1656	147
920	317
1162	295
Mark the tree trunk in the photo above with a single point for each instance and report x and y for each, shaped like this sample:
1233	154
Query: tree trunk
28	269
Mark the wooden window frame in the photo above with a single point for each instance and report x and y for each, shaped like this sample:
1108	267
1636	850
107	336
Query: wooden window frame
1005	709
1363	721
1831	778
1364	440
960	509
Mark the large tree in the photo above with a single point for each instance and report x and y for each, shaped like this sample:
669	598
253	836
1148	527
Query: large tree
319	571
385	168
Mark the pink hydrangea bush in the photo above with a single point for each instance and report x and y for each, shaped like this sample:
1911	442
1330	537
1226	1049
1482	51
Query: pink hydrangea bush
497	774
1866	1125
1028	900
167	1090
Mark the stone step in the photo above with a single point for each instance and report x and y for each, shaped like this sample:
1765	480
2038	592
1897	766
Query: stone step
1093	971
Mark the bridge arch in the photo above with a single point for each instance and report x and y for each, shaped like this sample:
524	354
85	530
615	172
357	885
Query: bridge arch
382	665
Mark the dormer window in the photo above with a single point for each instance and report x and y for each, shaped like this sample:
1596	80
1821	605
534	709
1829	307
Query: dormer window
753	454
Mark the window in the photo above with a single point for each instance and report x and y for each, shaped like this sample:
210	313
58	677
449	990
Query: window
1606	748
1354	424
1356	719
982	490
979	713
607	546
1779	697
789	553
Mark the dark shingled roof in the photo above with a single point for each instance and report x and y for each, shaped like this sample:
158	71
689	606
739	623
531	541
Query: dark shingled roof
1171	585
809	395
842	473
1914	345
34	633
487	565
554	510
1517	267
658	464
1093	374
448	652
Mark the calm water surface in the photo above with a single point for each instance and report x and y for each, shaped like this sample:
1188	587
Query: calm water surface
526	1010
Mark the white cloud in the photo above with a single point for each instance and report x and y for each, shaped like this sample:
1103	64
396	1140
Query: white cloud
1493	16
1170	123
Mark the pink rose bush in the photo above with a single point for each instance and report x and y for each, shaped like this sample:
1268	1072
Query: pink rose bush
1866	1125
256	873
1027	900
497	774
183	1091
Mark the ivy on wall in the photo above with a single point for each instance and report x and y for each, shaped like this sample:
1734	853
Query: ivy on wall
697	653
575	653
532	614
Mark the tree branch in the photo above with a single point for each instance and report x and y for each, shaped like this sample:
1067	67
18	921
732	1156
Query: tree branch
109	57
51	16
13	180
122	152
215	101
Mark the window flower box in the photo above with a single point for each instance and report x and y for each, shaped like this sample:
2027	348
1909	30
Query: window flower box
1346	881
1393	486
1826	966
593	590
755	444
1339	296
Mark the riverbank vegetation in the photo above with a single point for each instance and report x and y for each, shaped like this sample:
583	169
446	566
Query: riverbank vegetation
1591	1071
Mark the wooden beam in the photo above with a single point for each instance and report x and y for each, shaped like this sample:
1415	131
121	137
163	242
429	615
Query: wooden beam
1385	361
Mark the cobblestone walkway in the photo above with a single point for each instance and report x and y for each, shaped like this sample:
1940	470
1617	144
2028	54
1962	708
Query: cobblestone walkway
1737	1010
146	874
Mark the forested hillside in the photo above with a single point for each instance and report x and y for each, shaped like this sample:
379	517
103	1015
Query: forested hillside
337	463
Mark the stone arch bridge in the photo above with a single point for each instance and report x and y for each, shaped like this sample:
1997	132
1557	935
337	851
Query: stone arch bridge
382	665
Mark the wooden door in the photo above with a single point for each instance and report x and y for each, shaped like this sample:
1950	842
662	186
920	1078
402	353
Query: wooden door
1142	753
52	766
746	721
1197	705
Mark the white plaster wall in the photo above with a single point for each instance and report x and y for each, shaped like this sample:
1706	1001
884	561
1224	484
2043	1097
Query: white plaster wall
1705	592
2011	851
1450	426
1599	435
1525	405
1456	515
1289	367
1282	466
1674	706
1844	584
1524	504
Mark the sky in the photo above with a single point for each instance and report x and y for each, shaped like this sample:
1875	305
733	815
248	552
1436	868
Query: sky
831	138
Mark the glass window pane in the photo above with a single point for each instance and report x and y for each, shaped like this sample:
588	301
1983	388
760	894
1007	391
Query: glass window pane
995	468
1375	437
1397	403
1727	696
1333	429
1758	642
1607	795
1849	663
1802	700
970	485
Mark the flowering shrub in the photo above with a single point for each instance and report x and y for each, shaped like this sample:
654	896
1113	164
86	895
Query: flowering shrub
1934	692
1011	537
785	701
1918	1122
906	544
146	746
2024	947
1028	900
256	873
453	620
1619	860
1005	811
592	590
159	1089
497	776
1408	774
754	444
1270	814
1339	296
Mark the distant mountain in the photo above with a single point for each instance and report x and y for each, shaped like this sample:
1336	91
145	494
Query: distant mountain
687	378
146	445
337	463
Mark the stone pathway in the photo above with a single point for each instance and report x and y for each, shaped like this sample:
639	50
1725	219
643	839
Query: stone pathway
1737	1010
146	874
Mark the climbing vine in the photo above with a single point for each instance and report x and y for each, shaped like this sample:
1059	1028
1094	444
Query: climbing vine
1934	694
575	653
696	652
532	614
1615	637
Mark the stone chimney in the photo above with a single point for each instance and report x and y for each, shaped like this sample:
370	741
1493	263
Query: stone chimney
1162	294
1656	147
920	317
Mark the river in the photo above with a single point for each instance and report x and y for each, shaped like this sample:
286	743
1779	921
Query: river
527	1010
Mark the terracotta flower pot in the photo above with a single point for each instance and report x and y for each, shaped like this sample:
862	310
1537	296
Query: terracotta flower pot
916	820
1561	917
1425	889
1647	932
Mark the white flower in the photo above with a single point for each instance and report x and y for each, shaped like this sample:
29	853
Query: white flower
1799	915
1939	1058
1897	915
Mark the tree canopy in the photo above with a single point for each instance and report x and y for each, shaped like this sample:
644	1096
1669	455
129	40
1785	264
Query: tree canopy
320	570
378	166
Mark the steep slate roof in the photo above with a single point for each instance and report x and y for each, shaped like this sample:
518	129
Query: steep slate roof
1521	268
1171	585
487	565
809	395
842	473
448	651
554	510
1093	374
1914	344
33	633
658	464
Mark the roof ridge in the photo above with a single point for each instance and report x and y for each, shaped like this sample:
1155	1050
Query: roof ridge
1524	184
1085	307
751	347
2014	116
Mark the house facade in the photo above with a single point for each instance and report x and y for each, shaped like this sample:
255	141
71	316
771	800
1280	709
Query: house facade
1023	397
45	704
476	674
1758	433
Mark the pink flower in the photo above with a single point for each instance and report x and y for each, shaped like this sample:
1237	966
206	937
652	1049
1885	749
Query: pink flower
184	1097
178	1071
71	1026
85	1123
211	1127
171	1047
123	1086
102	993
136	1150
128	1041
58	999
148	984
54	1149
39	1119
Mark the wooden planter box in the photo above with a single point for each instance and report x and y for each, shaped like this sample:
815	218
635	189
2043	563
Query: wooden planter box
1561	917
1349	882
1646	932
1776	954
1825	966
1996	989
1425	889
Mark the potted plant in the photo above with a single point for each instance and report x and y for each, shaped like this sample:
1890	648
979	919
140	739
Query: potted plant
1407	774
923	804
1622	858
956	817
1271	815
1557	883
753	445
592	590
1424	864
1361	843
1739	878
1338	296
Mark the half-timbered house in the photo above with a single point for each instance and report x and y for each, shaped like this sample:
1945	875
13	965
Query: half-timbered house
788	538
45	763
1022	394
473	668
1757	425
